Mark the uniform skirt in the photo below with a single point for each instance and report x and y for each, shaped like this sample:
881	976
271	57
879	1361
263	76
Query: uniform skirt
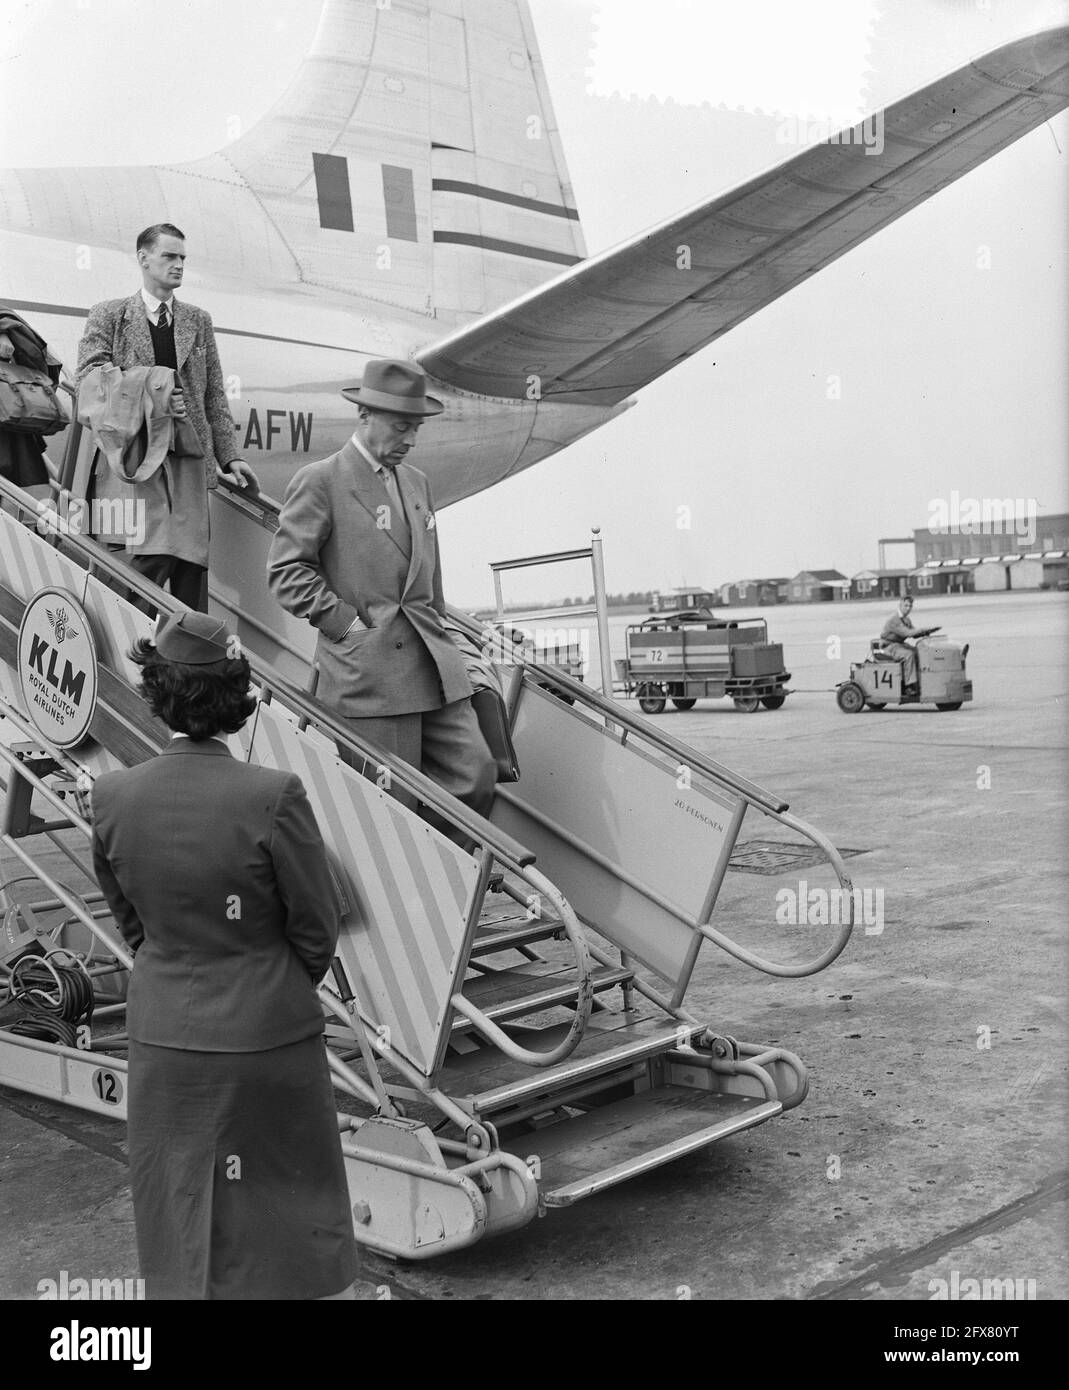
237	1174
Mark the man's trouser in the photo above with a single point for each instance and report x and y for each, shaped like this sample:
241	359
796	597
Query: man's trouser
908	657
446	744
188	582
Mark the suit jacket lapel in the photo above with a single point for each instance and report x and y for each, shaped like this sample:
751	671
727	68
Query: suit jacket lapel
370	492
185	332
399	528
417	525
138	350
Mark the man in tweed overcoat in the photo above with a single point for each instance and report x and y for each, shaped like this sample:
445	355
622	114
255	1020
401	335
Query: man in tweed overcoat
152	328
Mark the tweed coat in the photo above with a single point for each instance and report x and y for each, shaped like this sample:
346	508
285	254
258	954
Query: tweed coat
340	554
118	332
218	880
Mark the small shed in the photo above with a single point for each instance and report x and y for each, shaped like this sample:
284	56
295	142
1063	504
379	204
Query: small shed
818	586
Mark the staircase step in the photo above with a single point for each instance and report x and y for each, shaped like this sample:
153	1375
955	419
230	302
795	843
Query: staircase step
611	1143
489	940
510	993
613	1042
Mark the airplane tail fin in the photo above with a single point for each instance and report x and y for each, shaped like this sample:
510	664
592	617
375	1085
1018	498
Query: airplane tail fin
415	160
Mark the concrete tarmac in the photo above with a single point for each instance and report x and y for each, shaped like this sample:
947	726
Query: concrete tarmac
932	1144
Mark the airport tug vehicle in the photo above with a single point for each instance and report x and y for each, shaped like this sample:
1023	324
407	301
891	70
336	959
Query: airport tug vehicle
692	655
506	1018
877	681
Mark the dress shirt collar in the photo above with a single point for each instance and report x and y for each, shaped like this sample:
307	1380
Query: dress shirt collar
358	444
152	304
214	739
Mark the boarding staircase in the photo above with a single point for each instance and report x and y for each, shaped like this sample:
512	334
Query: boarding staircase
506	1025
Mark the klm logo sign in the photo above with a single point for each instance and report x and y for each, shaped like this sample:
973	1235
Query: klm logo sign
57	667
45	659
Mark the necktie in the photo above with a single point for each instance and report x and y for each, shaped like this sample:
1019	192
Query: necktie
163	320
393	491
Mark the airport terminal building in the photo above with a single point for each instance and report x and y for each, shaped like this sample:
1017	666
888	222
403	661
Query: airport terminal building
992	555
1014	553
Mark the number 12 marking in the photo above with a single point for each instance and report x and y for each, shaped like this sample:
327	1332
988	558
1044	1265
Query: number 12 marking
107	1086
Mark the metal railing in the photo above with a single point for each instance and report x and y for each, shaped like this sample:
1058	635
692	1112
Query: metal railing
496	845
625	726
599	608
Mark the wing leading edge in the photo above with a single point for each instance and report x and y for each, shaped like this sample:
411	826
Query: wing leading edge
607	327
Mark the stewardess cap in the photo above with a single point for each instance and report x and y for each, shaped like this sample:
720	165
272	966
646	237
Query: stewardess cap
194	639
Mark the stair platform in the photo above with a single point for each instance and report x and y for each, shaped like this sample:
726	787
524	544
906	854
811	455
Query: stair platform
586	1154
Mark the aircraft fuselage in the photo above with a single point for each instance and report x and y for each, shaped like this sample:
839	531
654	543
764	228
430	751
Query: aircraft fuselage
287	351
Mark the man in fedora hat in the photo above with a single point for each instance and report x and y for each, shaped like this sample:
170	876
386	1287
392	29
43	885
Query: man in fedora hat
356	554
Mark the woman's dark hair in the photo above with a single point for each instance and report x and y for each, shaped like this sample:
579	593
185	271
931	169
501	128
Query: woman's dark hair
200	701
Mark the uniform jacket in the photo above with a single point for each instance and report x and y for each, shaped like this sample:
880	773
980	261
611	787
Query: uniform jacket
118	332
217	877
334	559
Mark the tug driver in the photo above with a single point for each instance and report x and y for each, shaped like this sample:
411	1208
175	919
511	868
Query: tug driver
896	632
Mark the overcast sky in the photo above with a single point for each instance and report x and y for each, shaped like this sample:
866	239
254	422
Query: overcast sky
953	377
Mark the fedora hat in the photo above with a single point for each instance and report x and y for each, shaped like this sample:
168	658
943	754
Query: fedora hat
395	386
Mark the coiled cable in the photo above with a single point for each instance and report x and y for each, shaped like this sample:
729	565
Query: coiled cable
52	997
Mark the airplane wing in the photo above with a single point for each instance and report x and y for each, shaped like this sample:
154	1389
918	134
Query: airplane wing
617	321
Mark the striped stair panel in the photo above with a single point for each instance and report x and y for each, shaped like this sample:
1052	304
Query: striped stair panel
406	939
29	563
117	625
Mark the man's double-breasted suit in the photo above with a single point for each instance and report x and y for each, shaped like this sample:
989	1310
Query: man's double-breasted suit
342	554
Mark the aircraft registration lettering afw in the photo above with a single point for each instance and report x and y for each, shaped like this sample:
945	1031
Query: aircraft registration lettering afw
262	435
